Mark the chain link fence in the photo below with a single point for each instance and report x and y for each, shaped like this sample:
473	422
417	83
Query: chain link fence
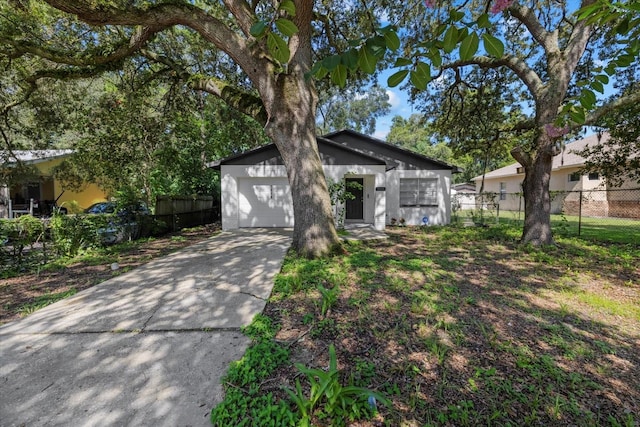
600	214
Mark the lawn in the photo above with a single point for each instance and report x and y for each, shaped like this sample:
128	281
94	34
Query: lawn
614	230
448	326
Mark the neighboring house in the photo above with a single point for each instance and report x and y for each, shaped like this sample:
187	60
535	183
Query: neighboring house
463	196
44	189
396	184
566	185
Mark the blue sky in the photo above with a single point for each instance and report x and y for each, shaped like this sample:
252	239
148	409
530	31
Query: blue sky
400	105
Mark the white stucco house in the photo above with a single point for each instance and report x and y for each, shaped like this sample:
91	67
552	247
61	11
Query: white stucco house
396	184
567	185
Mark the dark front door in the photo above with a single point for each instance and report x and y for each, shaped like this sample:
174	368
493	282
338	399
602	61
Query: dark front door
354	207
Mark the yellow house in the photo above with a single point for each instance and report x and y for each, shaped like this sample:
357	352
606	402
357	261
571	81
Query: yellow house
37	193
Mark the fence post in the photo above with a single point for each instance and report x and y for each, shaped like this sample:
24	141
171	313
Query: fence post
580	214
498	214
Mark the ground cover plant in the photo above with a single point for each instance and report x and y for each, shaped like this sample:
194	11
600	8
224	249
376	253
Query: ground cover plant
41	284
460	326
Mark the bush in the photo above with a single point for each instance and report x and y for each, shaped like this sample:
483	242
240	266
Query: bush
71	233
16	235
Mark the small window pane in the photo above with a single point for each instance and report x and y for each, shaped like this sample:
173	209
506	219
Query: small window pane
594	176
574	177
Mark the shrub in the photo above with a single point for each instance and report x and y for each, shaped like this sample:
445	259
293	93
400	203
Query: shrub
71	233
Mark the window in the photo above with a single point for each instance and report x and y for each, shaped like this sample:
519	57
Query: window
503	191
418	192
574	177
594	176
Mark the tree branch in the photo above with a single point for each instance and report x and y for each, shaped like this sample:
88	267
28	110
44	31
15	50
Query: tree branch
631	98
577	42
140	37
526	74
243	13
166	15
548	40
59	74
238	99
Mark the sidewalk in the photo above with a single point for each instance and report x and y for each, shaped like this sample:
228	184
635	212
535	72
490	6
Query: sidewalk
148	347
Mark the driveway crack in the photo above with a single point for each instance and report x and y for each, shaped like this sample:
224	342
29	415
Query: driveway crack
153	313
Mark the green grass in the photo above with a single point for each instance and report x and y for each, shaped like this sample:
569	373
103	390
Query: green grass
464	326
614	230
43	301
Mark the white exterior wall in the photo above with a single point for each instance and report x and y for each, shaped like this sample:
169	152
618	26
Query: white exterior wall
229	176
438	215
374	176
375	203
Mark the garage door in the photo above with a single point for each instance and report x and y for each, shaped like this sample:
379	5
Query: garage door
265	202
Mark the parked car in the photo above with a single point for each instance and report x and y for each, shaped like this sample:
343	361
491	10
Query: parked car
125	221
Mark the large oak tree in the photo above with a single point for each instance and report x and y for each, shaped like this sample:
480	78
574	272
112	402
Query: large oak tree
269	45
562	53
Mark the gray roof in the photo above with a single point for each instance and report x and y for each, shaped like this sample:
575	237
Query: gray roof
566	159
376	152
32	156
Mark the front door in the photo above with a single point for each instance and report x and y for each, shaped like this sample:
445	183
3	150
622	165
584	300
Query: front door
355	207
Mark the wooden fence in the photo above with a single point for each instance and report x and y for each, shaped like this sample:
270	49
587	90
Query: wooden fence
187	211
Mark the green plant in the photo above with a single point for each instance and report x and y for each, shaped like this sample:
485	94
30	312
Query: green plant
71	233
330	398
329	298
44	300
339	193
245	404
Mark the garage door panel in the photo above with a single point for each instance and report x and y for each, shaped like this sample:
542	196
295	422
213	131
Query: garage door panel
265	202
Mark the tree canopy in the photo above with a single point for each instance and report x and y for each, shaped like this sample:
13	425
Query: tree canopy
558	56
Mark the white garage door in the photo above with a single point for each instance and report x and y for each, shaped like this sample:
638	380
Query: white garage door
265	202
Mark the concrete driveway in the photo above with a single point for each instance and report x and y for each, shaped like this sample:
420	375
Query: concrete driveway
148	347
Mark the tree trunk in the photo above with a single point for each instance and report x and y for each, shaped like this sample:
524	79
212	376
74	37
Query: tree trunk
535	187
292	129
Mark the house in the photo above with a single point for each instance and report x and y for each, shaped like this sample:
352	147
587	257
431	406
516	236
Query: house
567	186
37	192
463	196
395	184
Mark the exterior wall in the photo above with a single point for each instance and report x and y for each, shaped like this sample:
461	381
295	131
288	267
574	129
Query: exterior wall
513	186
463	200
621	201
437	215
375	203
50	189
374	176
84	198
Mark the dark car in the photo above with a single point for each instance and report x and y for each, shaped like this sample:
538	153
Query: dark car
125	221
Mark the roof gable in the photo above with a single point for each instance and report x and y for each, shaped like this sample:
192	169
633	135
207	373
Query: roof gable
568	158
395	157
331	153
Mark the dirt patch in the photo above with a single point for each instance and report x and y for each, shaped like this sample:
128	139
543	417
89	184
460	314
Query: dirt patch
18	293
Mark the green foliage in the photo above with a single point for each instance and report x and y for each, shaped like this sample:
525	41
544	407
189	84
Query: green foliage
328	398
72	233
351	109
339	193
244	403
17	239
260	329
329	298
44	300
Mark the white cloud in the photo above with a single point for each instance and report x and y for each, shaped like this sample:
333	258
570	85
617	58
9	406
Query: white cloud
381	134
394	99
